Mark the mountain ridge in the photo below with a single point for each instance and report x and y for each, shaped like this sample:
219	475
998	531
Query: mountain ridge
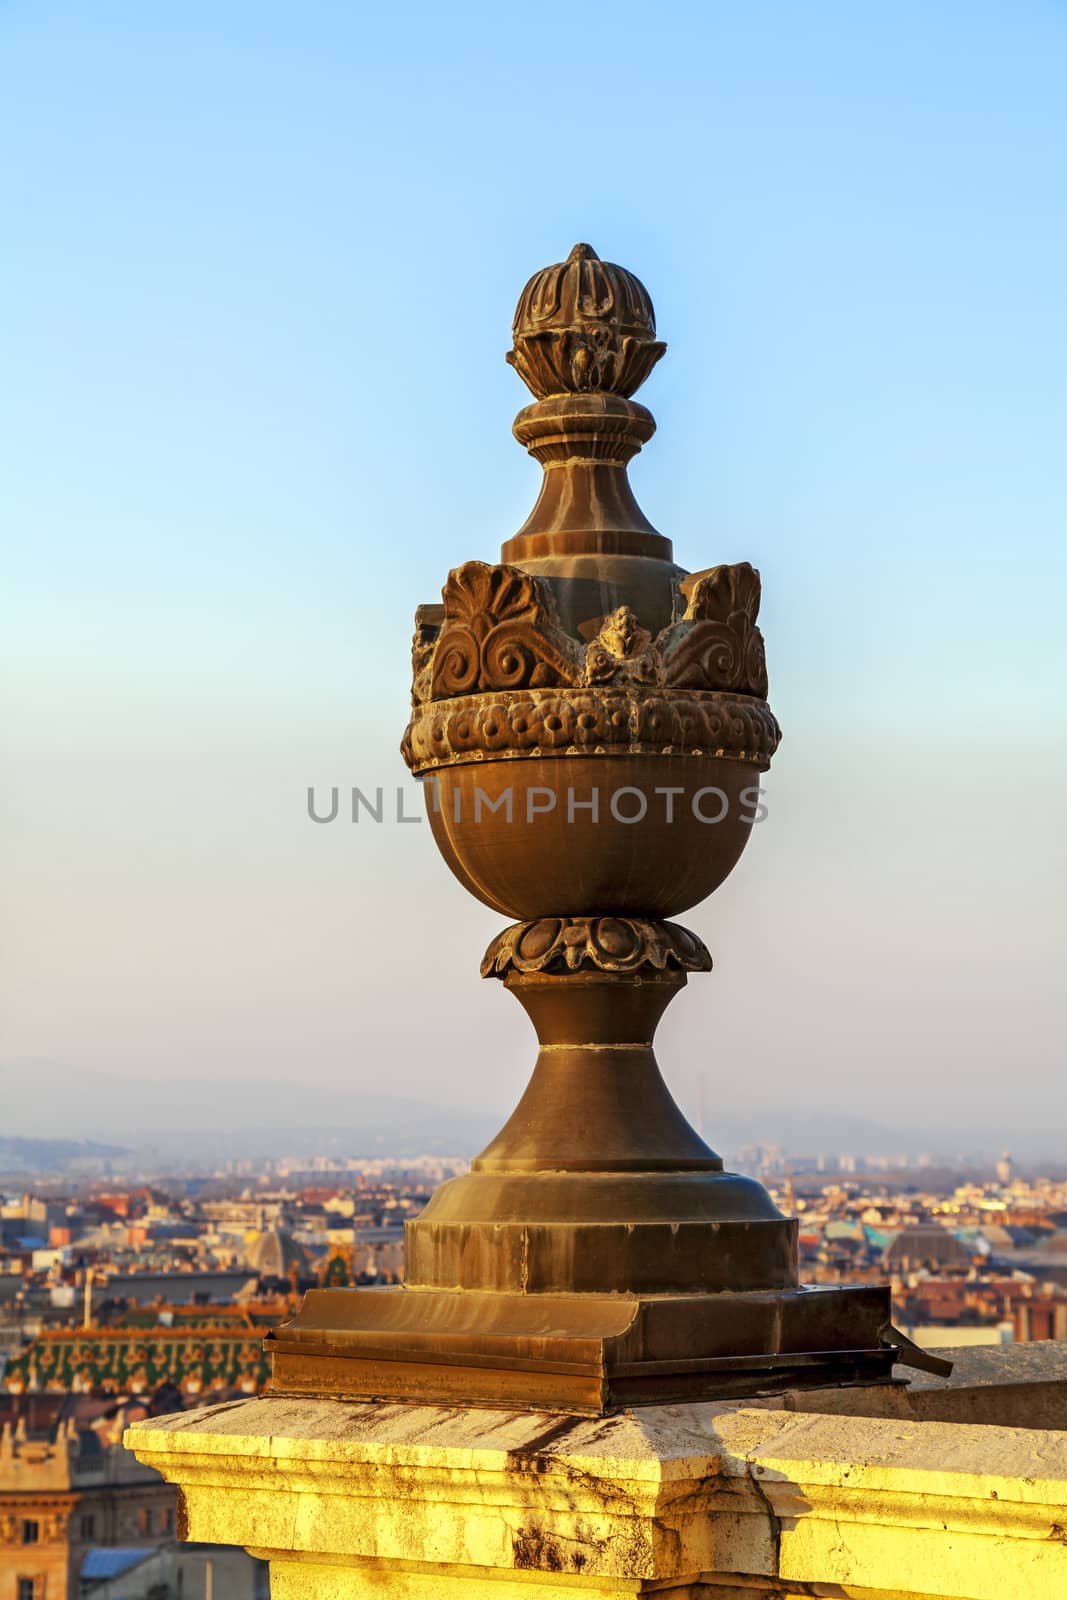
243	1119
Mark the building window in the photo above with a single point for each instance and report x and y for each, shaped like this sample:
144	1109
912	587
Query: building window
168	1521
30	1533
88	1527
144	1519
27	1589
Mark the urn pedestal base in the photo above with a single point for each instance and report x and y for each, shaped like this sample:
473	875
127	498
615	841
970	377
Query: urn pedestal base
596	1256
585	1354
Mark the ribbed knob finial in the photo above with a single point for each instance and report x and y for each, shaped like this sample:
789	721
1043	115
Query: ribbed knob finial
584	325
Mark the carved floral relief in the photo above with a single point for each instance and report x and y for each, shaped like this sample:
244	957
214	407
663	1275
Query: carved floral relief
717	645
610	944
498	630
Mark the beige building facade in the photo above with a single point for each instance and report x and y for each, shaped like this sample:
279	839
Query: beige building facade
62	1495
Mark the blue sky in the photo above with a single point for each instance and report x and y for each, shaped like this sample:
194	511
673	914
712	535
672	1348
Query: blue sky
257	269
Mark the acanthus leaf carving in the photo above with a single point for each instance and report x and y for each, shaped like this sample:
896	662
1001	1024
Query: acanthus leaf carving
499	631
717	644
584	360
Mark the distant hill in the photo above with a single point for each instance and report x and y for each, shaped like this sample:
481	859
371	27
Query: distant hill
222	1119
213	1120
52	1155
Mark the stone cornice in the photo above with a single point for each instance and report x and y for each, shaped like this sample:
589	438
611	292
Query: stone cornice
666	1495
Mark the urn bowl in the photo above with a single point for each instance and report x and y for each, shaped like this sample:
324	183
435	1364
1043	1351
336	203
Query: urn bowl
542	836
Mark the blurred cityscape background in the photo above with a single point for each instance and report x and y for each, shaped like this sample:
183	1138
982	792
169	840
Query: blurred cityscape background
129	1289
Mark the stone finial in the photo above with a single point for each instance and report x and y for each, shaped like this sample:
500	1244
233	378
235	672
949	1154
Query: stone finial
584	325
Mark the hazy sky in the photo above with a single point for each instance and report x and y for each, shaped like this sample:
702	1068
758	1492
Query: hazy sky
257	269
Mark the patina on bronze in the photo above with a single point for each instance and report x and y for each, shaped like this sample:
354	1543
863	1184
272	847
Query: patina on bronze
594	721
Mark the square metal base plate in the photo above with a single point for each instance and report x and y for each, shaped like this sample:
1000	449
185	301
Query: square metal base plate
584	1354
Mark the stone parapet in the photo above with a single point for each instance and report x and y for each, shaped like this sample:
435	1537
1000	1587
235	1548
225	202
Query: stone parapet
1012	1386
348	1499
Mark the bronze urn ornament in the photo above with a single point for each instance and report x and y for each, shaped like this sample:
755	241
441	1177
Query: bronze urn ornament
593	724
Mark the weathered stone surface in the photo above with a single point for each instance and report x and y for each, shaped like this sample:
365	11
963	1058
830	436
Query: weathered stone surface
347	1499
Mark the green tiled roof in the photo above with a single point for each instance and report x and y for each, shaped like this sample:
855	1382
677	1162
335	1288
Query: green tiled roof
121	1360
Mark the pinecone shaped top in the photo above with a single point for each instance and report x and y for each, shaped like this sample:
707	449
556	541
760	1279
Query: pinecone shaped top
584	326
